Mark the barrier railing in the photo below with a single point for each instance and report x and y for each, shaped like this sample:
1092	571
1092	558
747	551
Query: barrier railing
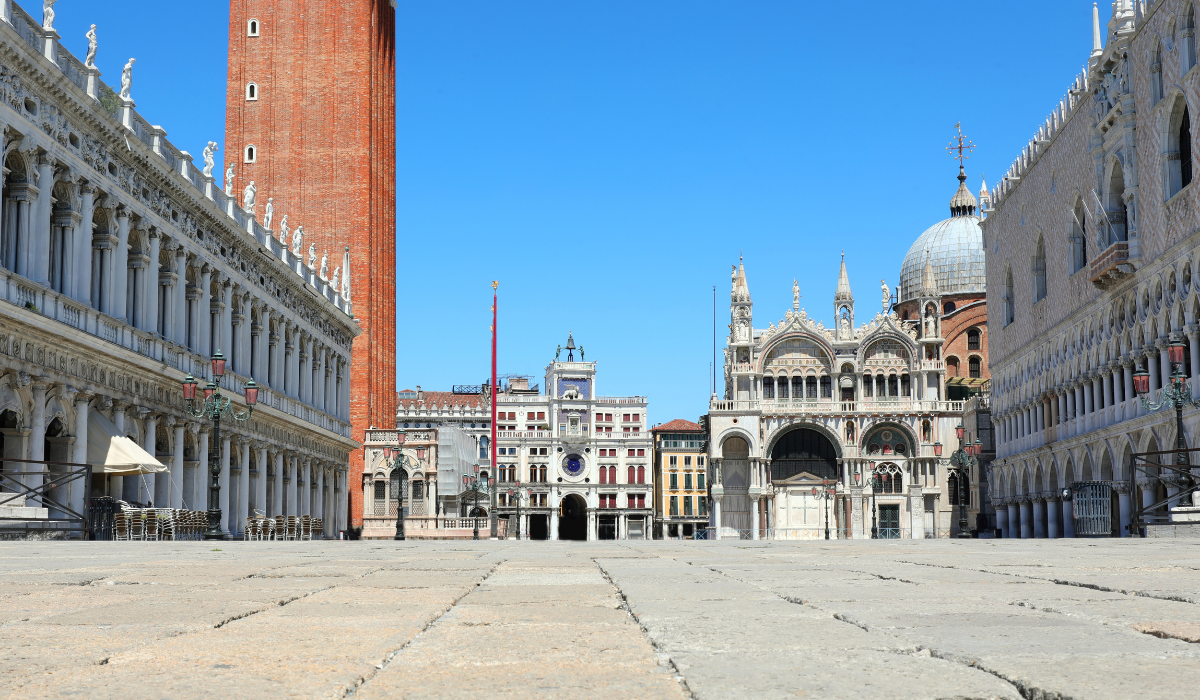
52	494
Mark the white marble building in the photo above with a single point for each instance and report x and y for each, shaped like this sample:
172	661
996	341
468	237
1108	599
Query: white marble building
122	269
807	406
1095	242
585	461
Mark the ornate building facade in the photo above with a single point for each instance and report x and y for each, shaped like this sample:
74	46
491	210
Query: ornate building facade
1094	241
843	424
311	122
585	461
122	269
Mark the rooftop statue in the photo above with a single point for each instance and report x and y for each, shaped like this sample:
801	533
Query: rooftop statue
127	79
90	60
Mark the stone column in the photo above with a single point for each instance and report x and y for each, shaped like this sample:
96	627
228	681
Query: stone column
260	491
1014	521
1127	384
204	313
224	482
1164	360
1026	518
176	486
1001	518
37	439
273	379
179	333
1088	404
159	488
554	506
79	453
81	285
257	366
756	505
39	242
916	511
291	366
1152	368
1038	506
243	509
116	483
1124	505
120	267
293	505
204	476
1053	511
1193	335
858	529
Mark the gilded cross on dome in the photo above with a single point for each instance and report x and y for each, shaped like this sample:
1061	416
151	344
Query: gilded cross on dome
958	143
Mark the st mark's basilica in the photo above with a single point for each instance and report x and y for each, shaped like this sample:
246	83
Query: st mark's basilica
849	428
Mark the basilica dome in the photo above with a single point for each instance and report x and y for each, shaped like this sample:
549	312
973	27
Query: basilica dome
955	249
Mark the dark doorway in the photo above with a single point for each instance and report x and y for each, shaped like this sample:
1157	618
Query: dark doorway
889	522
539	528
606	529
572	518
803	450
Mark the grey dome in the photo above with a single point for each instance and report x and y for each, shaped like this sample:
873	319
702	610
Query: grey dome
955	248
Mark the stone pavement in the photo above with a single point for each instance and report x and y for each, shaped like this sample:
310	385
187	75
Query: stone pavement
860	619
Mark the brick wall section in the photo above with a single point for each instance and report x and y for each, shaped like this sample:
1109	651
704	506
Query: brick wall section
324	126
971	312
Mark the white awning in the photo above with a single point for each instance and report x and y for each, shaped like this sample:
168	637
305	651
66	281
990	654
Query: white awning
109	452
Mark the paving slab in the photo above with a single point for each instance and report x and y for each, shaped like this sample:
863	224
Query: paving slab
860	619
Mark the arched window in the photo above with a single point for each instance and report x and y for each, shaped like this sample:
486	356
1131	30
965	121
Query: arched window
612	475
1038	268
604	475
251	91
952	366
868	384
973	339
889	479
948	307
1009	306
483	447
768	388
251	154
1187	41
252	27
1156	80
952	489
632	475
1078	237
974	367
641	475
1116	210
1177	172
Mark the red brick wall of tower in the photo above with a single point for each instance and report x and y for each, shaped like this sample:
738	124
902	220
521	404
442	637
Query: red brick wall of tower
324	126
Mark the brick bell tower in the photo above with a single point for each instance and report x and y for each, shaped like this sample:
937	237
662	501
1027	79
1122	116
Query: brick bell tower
311	119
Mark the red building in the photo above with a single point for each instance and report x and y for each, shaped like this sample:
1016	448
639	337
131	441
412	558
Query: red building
311	119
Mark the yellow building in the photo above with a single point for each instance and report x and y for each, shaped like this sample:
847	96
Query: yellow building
680	480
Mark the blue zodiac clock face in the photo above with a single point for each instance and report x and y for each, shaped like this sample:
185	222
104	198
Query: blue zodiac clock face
573	466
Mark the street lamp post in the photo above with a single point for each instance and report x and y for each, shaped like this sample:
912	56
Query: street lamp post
474	484
874	488
517	494
214	406
961	463
825	493
1176	395
398	461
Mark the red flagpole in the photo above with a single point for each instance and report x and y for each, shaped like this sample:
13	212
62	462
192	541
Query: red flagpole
495	389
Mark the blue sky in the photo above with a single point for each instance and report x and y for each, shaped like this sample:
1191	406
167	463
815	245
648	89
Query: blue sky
607	161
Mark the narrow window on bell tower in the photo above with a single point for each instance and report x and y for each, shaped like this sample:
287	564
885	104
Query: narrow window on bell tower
252	28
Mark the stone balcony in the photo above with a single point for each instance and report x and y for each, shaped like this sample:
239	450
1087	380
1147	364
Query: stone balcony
1110	266
798	407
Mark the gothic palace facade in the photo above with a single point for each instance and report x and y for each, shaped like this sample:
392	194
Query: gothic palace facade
1095	240
836	427
122	269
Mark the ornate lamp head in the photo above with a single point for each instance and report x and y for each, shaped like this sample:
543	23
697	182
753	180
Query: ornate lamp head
218	365
189	389
1141	381
960	431
251	393
1175	350
937	449
209	390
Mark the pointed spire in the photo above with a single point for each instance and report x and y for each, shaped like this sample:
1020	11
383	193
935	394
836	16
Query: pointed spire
843	288
928	279
1097	47
741	290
